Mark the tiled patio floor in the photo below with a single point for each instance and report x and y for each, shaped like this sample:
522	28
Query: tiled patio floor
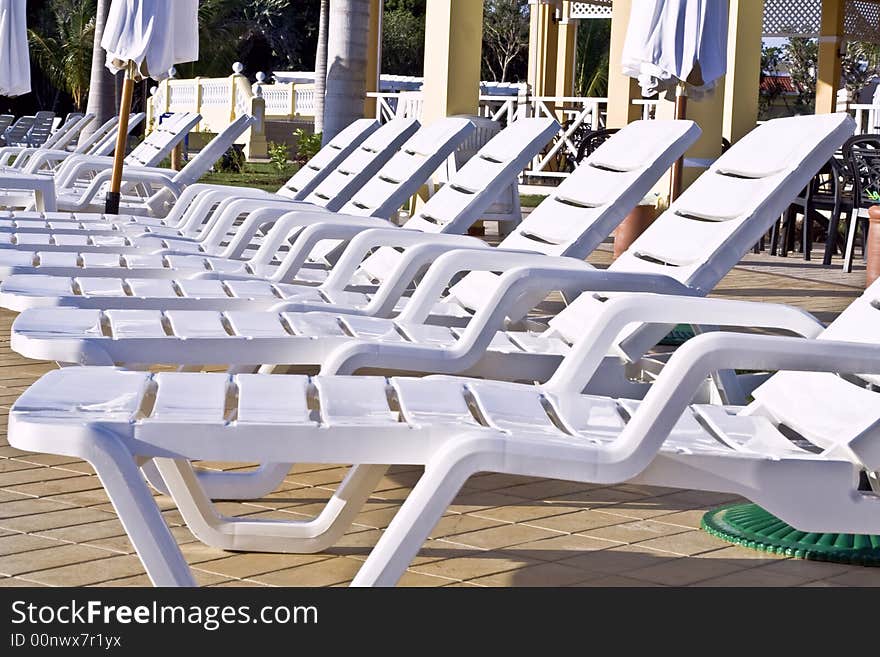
57	527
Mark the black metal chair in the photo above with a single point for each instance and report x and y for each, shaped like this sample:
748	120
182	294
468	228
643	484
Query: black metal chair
862	155
828	191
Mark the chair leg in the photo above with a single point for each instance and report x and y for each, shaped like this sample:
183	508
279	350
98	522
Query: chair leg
831	237
137	510
849	252
410	528
774	236
807	233
297	536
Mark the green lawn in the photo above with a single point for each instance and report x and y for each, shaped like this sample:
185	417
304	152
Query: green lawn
255	174
264	176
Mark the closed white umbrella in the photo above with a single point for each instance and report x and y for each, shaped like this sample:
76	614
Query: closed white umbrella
15	66
676	44
145	38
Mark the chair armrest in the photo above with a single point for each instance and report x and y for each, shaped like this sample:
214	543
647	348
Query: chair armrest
579	365
699	357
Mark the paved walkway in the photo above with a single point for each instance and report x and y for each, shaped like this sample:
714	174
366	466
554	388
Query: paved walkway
57	527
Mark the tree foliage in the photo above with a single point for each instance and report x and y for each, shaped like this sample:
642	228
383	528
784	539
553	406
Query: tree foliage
61	44
505	40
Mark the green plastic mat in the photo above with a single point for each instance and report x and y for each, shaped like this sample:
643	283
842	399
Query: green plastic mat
678	336
751	526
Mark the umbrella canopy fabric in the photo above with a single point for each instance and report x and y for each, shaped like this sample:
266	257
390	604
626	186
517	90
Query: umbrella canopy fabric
153	34
668	41
15	66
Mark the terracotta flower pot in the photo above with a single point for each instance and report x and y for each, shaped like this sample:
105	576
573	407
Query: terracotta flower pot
635	223
873	245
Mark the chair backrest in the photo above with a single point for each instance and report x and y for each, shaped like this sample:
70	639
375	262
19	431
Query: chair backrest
408	168
106	144
162	140
310	175
409	105
69	131
41	129
16	134
862	154
202	162
709	228
594	199
362	164
213	150
473	188
5	121
824	408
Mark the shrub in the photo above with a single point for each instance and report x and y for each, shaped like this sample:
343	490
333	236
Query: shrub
278	156
232	160
306	145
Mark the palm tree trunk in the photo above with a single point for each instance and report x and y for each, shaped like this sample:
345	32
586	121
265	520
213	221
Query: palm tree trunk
102	85
321	66
347	64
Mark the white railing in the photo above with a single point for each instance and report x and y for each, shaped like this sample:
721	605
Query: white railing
867	117
575	113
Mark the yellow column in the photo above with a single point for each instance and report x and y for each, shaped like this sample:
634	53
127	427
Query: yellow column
453	47
743	80
566	51
622	89
374	56
831	38
543	39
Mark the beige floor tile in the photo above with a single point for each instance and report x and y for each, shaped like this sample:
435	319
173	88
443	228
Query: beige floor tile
544	574
546	489
414	579
60	486
615	581
454	524
50	556
754	577
686	543
528	512
14	582
474	566
26	506
54	519
635	532
87	532
811	570
502	536
474	501
494	481
857	577
15	543
90	572
249	564
325	573
682	571
578	521
617	559
561	547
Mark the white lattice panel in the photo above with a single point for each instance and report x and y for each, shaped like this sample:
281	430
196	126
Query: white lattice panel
803	17
863	21
792	17
591	9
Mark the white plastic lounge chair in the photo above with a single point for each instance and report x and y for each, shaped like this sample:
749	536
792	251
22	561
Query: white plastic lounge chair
380	196
642	153
162	186
41	130
452	210
5	121
77	170
16	134
100	143
14	158
198	203
116	420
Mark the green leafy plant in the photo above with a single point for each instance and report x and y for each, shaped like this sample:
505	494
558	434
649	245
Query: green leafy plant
278	156
307	145
232	160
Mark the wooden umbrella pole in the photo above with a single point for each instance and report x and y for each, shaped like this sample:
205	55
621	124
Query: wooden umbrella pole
111	205
681	100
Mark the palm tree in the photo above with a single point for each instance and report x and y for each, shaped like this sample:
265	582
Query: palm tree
64	50
321	66
102	85
347	64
